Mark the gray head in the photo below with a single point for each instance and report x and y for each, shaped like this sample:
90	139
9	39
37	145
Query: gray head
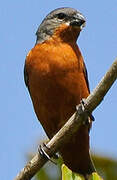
69	16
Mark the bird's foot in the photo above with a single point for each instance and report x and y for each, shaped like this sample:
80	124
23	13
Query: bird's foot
41	150
81	110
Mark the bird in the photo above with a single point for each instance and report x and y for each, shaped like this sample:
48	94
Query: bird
57	80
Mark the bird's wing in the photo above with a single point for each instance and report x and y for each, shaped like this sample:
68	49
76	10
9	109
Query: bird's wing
25	76
86	75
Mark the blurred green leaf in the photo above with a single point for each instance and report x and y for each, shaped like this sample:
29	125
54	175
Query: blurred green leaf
67	174
95	176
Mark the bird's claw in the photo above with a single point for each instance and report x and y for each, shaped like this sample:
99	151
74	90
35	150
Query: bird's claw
81	110
44	154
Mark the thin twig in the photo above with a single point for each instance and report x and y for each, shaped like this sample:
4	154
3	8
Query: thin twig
72	125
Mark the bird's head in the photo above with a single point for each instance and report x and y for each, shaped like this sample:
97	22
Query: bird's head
65	23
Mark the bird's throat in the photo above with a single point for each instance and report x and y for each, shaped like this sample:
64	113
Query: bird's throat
66	33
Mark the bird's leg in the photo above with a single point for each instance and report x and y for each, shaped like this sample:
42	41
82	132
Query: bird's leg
81	109
83	102
44	154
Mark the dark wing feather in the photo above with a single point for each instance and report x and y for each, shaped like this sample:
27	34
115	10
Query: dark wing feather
90	118
25	76
86	76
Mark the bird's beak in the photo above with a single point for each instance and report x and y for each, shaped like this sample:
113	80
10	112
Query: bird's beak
78	21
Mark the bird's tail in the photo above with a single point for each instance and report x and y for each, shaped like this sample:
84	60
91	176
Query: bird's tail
76	153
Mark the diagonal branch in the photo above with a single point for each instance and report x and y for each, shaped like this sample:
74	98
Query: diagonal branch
72	125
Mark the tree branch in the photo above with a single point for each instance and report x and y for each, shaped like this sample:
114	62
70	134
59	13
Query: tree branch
72	125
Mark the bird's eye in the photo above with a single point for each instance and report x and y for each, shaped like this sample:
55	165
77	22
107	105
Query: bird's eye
61	15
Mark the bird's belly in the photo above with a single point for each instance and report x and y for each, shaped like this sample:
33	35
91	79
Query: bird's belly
55	98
